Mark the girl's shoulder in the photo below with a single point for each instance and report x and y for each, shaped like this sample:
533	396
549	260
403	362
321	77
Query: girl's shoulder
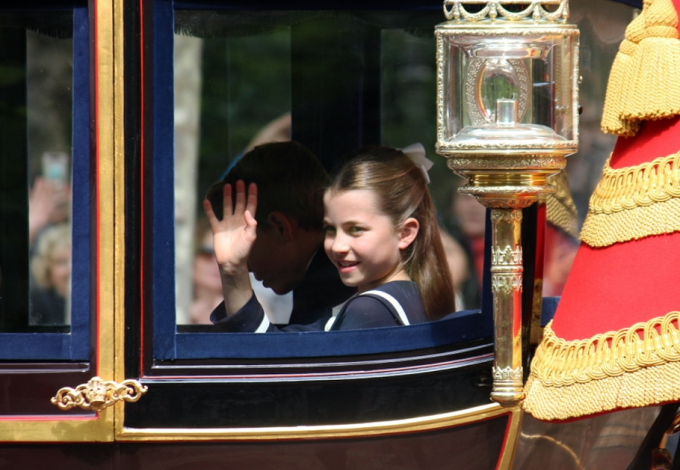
400	289
386	305
406	294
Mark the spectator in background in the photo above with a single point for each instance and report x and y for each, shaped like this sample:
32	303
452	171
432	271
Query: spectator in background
207	291
48	203
560	251
471	216
51	271
459	267
465	222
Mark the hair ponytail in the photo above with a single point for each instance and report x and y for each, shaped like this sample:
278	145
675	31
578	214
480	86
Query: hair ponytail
402	193
428	265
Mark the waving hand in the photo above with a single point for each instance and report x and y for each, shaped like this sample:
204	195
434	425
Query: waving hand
233	238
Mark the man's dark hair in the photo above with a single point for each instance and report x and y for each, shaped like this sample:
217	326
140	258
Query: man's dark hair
289	179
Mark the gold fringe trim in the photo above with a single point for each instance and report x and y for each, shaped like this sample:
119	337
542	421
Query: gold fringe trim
646	387
634	202
612	370
560	209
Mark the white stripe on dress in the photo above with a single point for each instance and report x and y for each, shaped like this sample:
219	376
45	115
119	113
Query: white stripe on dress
395	303
263	326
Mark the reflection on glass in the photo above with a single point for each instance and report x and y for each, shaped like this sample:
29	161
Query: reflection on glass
610	440
523	69
226	103
36	76
51	274
498	80
408	111
49	74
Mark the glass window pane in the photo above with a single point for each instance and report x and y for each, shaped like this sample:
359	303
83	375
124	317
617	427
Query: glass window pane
49	69
364	77
225	104
36	88
409	111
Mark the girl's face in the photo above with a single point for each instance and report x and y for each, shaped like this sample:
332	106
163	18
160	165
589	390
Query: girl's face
362	242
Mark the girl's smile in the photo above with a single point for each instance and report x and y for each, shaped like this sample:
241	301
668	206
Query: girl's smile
362	242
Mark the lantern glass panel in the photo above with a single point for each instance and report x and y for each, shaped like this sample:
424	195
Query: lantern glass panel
510	89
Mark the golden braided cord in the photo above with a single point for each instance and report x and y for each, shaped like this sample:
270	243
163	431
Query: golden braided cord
560	208
634	202
561	217
609	370
636	186
558	362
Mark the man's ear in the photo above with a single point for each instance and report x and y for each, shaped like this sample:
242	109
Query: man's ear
408	231
281	225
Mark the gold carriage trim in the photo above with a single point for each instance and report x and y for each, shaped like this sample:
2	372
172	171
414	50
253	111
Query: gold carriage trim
617	369
634	202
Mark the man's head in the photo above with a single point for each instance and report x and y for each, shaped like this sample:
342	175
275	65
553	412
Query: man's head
290	184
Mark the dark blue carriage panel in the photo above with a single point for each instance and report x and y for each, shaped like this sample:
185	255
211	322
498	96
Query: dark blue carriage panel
163	182
82	228
73	346
548	308
457	328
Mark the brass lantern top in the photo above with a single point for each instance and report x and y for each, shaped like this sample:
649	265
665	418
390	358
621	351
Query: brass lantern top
507	95
494	10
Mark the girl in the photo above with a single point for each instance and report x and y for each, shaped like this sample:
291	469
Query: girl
382	235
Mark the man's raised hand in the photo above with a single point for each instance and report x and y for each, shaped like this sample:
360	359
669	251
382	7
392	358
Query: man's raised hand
234	235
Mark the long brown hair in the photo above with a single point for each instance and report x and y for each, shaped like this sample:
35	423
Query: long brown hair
401	191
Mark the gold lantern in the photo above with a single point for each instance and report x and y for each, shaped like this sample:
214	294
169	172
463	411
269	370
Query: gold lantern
507	103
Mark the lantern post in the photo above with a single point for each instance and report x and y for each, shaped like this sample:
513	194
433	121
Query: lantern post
507	104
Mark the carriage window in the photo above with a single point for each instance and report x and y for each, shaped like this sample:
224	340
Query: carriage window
333	81
226	103
44	195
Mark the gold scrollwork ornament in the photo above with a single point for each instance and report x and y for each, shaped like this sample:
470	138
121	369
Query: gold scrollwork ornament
98	394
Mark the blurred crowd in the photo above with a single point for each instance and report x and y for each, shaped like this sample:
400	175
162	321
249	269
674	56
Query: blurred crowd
49	233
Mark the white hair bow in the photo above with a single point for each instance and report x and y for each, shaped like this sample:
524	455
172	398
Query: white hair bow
416	153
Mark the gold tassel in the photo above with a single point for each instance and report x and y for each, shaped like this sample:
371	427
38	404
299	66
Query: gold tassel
653	90
614	102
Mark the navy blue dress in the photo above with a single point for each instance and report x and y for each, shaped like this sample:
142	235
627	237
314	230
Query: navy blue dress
359	312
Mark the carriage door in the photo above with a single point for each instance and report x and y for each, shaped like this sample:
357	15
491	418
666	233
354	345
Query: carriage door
57	230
